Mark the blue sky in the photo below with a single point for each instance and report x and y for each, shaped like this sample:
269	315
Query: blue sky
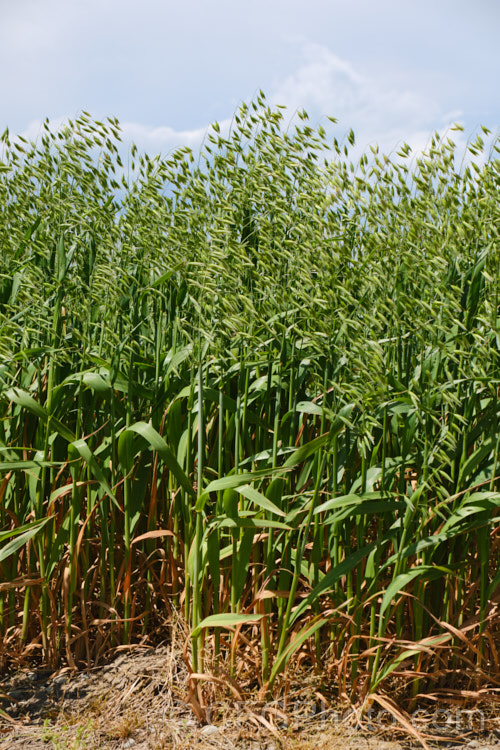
392	70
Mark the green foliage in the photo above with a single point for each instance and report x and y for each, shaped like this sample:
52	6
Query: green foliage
262	385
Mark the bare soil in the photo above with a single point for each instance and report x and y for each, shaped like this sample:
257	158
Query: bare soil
139	701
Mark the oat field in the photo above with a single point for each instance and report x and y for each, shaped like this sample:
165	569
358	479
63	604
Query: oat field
257	386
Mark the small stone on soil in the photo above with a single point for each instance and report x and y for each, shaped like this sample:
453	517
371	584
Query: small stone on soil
209	730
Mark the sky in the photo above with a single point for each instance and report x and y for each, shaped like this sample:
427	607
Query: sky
392	70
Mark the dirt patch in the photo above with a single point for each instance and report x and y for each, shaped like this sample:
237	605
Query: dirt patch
139	701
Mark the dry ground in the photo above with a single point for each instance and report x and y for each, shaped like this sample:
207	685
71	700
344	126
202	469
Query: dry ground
138	701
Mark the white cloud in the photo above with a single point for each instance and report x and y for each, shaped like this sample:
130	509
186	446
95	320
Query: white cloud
327	85
324	84
162	139
379	112
146	137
